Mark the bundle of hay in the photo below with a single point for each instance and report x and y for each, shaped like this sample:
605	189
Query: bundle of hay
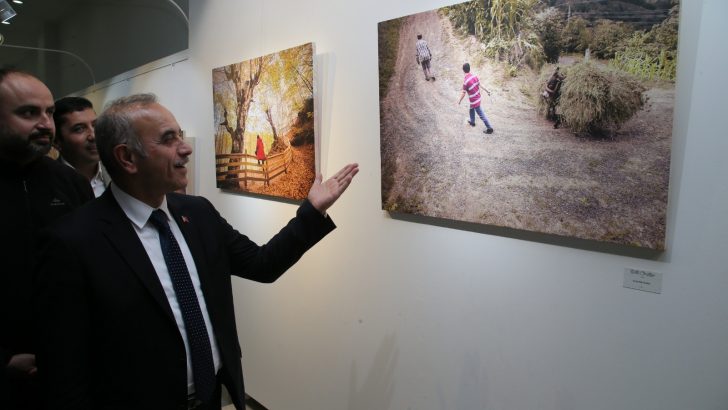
598	98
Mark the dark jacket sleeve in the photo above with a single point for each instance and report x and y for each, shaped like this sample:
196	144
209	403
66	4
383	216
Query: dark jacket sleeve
268	262
63	352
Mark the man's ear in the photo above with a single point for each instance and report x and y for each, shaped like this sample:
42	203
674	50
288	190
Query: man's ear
126	158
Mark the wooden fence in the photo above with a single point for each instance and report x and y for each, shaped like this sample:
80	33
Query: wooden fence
245	167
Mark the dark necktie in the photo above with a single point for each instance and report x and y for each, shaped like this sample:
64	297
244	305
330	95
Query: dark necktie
203	367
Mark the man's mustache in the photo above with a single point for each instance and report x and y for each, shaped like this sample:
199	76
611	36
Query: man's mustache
41	133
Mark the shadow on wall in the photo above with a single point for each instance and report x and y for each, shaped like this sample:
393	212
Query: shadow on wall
472	391
377	389
571	242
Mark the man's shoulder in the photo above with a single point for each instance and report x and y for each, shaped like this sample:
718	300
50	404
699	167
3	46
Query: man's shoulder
190	208
59	170
184	199
61	180
189	203
55	164
92	210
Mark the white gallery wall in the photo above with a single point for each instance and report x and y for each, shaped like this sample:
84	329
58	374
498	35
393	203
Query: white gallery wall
390	314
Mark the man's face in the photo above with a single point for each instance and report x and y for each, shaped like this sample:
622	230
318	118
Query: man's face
26	118
76	139
163	169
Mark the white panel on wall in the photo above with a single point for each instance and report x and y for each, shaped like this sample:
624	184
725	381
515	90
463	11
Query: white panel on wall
391	314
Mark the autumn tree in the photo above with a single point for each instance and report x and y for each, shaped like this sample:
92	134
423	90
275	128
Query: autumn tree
244	78
298	69
288	80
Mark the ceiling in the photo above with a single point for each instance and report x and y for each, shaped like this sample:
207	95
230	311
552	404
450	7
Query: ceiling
85	42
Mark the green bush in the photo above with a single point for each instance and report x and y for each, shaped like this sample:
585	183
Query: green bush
388	32
576	36
646	60
549	26
608	38
503	26
516	51
598	98
652	55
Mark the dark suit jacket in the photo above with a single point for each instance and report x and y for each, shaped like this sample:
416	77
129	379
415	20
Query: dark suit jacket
108	339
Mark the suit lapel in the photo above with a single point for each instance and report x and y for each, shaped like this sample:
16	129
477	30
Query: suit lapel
119	231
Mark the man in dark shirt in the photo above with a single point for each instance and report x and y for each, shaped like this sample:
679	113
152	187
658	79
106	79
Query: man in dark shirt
35	190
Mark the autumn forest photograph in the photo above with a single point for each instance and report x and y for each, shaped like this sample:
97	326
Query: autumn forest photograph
264	124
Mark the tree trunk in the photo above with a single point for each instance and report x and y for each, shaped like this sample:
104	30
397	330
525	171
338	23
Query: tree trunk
244	88
279	142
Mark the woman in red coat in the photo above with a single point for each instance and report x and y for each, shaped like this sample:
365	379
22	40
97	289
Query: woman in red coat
260	151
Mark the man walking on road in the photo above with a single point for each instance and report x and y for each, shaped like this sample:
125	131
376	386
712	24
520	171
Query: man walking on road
423	57
471	86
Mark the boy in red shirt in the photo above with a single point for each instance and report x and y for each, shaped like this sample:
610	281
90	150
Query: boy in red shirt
471	86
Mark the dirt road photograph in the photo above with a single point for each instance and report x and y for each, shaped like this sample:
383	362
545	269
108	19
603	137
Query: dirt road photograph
264	124
577	106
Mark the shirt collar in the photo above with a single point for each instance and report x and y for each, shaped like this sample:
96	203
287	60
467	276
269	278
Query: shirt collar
64	162
99	171
137	211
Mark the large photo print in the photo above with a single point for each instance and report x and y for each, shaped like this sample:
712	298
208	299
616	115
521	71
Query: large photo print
264	124
545	116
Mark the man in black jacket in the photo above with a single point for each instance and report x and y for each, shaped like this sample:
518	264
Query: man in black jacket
35	191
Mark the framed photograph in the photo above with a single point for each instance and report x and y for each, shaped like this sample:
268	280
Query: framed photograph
546	116
264	124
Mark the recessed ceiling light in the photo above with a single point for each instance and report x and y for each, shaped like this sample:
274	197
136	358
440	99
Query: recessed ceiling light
17	2
6	12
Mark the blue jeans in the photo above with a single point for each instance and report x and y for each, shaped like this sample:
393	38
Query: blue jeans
481	114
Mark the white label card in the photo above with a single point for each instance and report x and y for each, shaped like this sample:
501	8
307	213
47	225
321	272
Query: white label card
643	280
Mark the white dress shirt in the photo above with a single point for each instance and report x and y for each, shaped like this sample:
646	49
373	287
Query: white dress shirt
138	213
98	182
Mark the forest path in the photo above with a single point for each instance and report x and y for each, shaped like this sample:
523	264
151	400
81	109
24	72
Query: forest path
296	183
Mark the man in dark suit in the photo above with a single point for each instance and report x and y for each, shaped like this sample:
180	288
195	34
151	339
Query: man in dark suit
140	316
35	191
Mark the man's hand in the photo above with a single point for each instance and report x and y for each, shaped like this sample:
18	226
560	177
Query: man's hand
323	195
22	364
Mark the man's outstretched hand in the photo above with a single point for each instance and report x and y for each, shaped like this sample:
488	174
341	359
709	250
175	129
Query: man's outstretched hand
323	194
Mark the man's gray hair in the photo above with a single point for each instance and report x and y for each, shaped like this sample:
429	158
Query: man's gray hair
115	127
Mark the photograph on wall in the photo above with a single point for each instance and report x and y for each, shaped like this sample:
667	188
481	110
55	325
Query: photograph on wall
264	124
550	116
